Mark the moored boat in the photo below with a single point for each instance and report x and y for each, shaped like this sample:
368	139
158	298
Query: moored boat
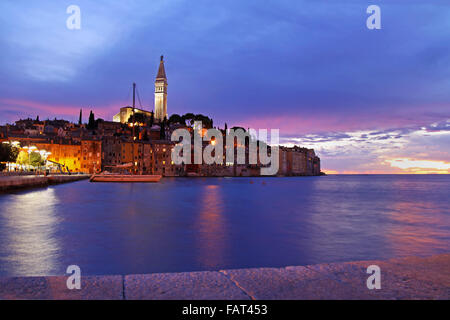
124	178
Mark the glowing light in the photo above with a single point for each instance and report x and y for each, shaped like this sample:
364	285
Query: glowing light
417	165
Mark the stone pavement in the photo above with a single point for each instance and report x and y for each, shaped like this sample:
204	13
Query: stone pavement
32	181
402	278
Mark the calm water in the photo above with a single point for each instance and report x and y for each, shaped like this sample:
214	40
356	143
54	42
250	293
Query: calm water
209	224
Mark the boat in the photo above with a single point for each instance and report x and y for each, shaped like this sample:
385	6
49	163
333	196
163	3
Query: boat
111	177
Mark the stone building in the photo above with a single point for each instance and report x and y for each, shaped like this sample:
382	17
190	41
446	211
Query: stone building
297	161
148	157
84	156
126	112
161	92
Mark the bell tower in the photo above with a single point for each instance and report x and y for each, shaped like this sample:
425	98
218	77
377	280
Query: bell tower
161	92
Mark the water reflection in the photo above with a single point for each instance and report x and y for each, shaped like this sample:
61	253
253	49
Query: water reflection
29	222
212	230
414	228
208	224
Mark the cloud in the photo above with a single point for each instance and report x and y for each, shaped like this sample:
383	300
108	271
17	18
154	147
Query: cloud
381	151
412	165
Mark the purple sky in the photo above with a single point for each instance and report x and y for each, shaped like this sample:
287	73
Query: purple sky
366	100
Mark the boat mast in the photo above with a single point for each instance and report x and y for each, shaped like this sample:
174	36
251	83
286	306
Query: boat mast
134	123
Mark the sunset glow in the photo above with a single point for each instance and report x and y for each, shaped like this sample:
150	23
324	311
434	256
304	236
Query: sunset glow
420	166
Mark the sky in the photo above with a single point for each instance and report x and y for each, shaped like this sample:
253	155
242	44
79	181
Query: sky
368	101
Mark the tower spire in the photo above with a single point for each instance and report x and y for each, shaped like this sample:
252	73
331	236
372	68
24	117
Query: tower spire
161	92
161	71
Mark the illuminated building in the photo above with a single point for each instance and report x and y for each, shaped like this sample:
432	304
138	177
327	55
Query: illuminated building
161	93
84	156
126	112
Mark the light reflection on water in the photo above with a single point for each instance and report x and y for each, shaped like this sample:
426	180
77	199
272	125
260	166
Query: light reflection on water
29	245
212	228
210	224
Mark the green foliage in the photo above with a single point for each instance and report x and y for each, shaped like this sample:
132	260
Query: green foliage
22	158
189	118
91	124
8	153
176	118
36	159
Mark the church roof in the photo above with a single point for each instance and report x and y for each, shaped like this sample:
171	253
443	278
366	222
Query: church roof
161	71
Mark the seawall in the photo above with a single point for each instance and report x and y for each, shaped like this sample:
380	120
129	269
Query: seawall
402	278
18	182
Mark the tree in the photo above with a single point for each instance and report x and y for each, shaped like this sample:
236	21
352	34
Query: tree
8	153
13	153
176	118
189	118
80	119
152	118
23	158
91	123
162	133
206	121
36	159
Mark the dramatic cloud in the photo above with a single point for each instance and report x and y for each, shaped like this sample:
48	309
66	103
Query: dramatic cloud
400	150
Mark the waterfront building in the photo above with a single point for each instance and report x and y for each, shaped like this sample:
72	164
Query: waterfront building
83	156
91	150
297	161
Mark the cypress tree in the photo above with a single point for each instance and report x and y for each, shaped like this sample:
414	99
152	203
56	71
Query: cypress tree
91	123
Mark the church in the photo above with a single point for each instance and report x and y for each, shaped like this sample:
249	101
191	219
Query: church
160	110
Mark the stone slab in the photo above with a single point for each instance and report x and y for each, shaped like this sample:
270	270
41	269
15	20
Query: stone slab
297	283
55	288
403	278
206	285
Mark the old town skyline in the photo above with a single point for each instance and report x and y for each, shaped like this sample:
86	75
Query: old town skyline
357	103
